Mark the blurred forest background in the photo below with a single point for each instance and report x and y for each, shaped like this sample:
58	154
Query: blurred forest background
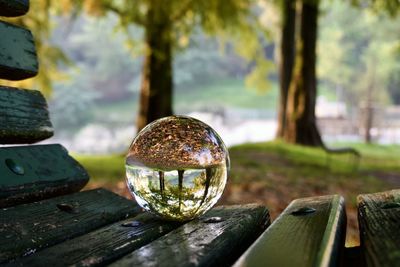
244	67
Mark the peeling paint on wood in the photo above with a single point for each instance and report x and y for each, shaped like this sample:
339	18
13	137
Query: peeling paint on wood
200	243
307	239
48	171
379	220
24	117
102	246
18	58
28	228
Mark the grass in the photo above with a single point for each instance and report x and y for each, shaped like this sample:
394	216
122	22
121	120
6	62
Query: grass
232	93
104	168
274	173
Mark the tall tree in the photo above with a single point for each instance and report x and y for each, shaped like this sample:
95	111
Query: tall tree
156	87
164	25
287	53
299	123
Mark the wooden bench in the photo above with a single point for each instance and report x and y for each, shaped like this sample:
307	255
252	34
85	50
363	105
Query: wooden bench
45	220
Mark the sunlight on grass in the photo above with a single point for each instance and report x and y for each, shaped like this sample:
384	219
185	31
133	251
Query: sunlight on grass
274	173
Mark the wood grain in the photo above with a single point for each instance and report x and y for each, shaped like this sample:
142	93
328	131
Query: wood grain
379	220
48	171
25	229
13	8
18	58
101	246
24	117
216	239
302	238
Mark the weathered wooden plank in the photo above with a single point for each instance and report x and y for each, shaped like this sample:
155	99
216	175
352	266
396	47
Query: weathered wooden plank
216	239
24	117
379	220
310	232
13	8
101	246
17	53
25	229
29	173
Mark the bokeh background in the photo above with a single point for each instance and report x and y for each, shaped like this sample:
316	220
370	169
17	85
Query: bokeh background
226	70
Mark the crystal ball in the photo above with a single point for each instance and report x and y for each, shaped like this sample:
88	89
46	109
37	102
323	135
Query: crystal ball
177	168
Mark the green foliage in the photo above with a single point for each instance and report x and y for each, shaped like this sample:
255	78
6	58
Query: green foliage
105	167
97	49
203	58
374	157
357	54
231	19
51	57
297	162
391	7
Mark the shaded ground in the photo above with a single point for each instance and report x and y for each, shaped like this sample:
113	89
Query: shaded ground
273	174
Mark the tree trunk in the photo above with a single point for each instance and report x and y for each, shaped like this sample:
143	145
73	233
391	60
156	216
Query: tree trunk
156	88
287	52
369	107
301	127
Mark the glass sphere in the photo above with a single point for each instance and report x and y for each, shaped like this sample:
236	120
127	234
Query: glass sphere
177	168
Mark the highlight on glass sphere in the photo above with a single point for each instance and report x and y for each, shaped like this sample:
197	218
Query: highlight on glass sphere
177	168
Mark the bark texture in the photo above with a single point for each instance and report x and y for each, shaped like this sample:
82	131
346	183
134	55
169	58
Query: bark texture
301	127
157	83
287	54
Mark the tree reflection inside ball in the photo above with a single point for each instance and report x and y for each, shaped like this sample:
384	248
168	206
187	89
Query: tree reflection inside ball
177	168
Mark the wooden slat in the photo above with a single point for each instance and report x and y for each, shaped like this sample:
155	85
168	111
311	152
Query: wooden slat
13	8
28	228
379	220
24	117
302	238
216	239
48	171
101	246
17	53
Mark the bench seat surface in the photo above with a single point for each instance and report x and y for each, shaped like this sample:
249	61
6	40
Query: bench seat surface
99	227
379	219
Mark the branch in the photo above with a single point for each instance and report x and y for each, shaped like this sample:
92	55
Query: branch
122	13
182	12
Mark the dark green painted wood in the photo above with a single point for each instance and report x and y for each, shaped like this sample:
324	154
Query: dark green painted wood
101	246
13	8
17	53
216	239
24	117
379	220
48	171
25	229
301	237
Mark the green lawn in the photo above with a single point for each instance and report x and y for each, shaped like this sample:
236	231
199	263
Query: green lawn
230	93
274	173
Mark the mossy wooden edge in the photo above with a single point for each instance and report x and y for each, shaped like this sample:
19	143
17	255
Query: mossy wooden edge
309	232
379	220
215	239
18	58
13	8
47	171
102	246
24	117
26	229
